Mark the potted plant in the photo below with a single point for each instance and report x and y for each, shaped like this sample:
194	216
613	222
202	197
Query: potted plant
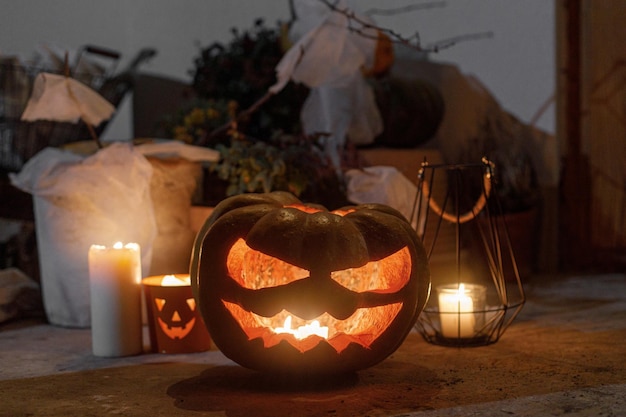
284	163
243	70
261	149
280	162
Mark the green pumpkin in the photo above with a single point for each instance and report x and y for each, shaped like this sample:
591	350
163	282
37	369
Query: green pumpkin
412	111
265	265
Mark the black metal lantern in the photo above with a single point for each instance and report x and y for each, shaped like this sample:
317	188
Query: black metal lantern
477	291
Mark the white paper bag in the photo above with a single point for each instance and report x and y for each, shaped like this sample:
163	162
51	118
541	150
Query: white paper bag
383	185
100	199
329	53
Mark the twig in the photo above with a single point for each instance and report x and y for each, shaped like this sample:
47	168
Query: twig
93	134
542	110
241	116
404	9
66	65
362	31
447	43
413	41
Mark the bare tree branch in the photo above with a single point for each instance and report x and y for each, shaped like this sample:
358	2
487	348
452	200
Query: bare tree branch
404	9
447	43
412	41
238	118
365	26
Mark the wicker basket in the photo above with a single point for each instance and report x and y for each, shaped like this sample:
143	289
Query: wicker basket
20	140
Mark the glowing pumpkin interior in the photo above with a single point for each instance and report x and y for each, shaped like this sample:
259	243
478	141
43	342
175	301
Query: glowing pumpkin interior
375	287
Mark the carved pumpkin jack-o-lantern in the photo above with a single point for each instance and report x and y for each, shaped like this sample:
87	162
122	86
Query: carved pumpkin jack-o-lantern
174	323
292	288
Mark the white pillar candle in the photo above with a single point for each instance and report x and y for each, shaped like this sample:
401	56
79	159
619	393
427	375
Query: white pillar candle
115	289
457	308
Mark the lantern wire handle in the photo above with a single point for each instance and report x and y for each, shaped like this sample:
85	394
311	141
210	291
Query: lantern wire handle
478	206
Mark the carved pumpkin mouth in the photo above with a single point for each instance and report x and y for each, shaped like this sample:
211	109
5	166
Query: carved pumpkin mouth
179	331
363	327
356	305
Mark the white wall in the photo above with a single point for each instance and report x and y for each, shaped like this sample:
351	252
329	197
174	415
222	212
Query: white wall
517	64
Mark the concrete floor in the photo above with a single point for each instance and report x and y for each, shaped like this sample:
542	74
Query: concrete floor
563	356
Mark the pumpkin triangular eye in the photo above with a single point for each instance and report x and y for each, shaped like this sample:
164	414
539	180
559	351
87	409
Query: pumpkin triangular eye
160	302
253	269
385	275
191	302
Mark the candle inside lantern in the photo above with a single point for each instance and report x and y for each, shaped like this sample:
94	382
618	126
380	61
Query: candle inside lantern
458	307
115	291
304	331
174	281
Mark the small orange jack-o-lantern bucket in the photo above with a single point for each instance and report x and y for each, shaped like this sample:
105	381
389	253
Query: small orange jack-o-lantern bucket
173	320
286	287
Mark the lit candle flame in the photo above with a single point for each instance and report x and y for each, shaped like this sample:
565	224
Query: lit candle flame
304	331
461	291
174	281
121	245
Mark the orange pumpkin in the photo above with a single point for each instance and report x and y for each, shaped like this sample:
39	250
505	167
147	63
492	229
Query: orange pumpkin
292	288
383	56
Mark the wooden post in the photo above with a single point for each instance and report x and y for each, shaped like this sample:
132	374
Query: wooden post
576	182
